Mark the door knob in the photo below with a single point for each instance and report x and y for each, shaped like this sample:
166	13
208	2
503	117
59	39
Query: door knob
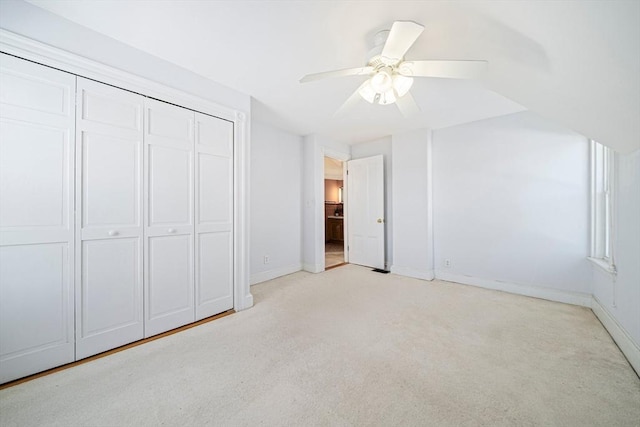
380	220
171	230
113	233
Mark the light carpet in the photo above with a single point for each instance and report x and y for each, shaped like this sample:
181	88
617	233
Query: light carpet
354	347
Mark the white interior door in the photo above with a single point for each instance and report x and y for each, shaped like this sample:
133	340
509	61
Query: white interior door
109	307
365	216
36	217
214	213
169	281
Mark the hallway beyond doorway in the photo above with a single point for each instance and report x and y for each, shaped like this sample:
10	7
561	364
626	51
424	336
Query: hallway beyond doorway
333	254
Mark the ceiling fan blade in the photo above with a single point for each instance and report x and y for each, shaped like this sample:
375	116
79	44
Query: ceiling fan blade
351	101
443	69
407	105
360	71
401	37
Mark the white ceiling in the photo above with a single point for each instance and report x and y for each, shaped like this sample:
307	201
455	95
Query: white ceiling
575	62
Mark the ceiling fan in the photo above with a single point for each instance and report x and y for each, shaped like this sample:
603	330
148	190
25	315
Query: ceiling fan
391	76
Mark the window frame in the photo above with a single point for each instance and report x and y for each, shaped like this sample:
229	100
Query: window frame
602	176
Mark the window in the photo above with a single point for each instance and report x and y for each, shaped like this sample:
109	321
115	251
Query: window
602	194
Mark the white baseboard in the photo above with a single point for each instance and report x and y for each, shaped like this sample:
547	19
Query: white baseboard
313	268
272	274
629	348
575	298
410	272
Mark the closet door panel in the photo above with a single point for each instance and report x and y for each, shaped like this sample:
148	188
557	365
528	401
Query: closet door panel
170	171
169	264
215	189
110	183
214	135
170	271
38	284
214	213
169	124
34	92
215	293
109	302
112	108
33	184
36	213
36	309
111	307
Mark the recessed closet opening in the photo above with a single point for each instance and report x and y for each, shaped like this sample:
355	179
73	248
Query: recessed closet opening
121	214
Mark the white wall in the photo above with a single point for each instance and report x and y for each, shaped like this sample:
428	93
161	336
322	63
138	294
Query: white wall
276	202
621	297
374	148
38	24
511	201
412	204
315	148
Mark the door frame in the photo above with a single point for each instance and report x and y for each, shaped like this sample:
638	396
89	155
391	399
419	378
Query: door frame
35	51
344	158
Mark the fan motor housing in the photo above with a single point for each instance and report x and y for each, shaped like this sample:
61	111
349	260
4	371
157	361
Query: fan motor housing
373	56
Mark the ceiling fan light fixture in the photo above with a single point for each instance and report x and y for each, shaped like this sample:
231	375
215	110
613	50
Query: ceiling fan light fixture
385	87
391	76
372	96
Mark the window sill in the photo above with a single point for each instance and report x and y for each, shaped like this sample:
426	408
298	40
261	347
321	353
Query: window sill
603	265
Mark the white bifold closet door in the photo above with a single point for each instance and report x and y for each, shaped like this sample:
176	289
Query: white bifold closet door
169	217
109	162
36	217
214	213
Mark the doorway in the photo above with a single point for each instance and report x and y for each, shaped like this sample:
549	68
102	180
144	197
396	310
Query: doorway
334	222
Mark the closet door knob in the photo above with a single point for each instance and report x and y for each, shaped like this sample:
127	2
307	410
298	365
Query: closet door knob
171	230
113	233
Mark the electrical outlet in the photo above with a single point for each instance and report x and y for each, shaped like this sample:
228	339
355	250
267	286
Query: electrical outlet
447	263
266	259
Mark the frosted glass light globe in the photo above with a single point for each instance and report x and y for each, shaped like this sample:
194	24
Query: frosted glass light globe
382	81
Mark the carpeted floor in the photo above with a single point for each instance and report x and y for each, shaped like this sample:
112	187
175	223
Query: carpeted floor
353	347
